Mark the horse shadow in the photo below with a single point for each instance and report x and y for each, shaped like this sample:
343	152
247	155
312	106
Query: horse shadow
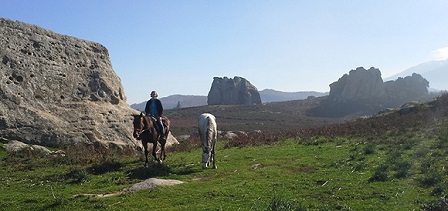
160	170
152	170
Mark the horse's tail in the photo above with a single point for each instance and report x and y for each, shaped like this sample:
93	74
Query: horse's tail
209	131
165	121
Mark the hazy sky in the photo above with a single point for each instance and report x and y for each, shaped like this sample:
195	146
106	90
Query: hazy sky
177	47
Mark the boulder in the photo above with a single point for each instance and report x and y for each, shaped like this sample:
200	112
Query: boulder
236	91
17	146
59	90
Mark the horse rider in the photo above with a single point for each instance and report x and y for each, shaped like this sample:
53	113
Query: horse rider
154	108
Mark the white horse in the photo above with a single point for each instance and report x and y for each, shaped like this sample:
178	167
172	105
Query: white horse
208	133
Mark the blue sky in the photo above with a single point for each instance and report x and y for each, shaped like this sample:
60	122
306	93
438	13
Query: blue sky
177	47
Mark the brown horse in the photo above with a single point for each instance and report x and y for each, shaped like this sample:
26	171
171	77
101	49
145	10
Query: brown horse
144	129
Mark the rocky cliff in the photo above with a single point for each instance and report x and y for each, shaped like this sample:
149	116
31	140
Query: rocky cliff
58	90
236	91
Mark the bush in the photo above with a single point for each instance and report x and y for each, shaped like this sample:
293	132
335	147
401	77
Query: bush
369	149
106	166
402	169
380	174
430	179
78	176
438	204
280	204
440	190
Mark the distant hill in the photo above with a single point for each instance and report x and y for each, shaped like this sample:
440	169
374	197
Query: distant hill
173	101
270	95
436	72
267	96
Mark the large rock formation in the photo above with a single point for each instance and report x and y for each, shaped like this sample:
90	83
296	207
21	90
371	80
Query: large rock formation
58	90
363	91
406	89
236	91
368	86
359	84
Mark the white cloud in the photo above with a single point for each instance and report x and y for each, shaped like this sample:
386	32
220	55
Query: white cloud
440	54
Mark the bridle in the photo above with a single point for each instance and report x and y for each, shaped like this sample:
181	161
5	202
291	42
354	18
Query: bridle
143	127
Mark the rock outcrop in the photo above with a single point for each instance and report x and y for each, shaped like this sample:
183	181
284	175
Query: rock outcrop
359	84
367	85
363	91
57	90
409	88
236	91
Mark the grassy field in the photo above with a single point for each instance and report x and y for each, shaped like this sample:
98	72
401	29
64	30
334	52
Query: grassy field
390	162
334	174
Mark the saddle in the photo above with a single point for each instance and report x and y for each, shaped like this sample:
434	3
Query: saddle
163	119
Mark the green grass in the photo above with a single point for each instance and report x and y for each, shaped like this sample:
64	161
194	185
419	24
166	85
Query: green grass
333	174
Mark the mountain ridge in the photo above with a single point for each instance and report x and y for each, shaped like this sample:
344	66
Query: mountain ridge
267	96
433	71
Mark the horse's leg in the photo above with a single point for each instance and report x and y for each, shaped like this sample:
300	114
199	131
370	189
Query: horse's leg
162	146
145	146
154	151
206	152
213	154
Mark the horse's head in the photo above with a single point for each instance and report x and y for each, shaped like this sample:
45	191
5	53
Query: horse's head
139	125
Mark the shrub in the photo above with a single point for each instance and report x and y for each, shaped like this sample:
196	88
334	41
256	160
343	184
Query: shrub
440	190
380	174
426	165
78	176
359	166
369	149
402	169
280	204
438	204
187	145
106	166
430	179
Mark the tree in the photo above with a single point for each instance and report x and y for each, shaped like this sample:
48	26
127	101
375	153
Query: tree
178	105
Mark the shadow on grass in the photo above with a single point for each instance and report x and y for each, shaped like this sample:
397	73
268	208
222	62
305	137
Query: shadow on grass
105	167
153	170
158	170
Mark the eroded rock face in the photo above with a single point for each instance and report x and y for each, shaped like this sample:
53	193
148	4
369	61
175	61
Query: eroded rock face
236	91
409	88
368	86
359	84
57	89
364	92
